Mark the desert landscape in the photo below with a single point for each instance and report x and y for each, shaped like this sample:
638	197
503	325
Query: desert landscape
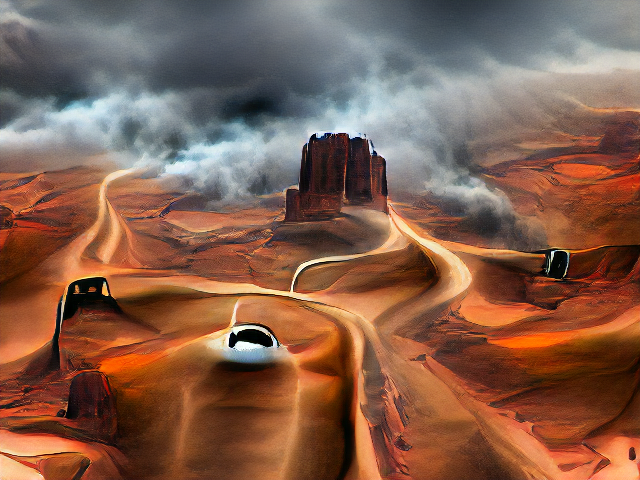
408	343
323	240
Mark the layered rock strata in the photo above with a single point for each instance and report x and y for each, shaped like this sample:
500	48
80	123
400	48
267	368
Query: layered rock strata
335	170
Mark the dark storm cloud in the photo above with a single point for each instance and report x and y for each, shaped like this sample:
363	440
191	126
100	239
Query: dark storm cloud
453	32
85	48
226	92
255	60
73	49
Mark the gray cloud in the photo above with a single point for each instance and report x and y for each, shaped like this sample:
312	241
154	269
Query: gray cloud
77	48
227	92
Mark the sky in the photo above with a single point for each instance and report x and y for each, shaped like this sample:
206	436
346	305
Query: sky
226	92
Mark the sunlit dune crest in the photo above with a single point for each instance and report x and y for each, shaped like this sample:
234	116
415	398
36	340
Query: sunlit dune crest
578	170
624	321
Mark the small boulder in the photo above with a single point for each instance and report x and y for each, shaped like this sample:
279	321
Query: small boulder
92	404
6	217
64	466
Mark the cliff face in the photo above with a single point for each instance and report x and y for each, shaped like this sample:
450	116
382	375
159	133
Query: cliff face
323	164
622	136
358	181
379	183
336	169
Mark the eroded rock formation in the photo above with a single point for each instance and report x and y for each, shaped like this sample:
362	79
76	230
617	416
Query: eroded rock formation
6	217
92	404
622	135
337	169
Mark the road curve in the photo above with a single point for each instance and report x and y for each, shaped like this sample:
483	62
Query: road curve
387	246
106	214
377	358
453	280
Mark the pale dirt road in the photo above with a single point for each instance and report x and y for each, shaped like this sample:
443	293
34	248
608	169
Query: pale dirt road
446	426
310	427
45	283
443	433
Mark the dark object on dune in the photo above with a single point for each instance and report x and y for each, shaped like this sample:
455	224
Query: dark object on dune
251	346
91	400
251	336
86	292
556	263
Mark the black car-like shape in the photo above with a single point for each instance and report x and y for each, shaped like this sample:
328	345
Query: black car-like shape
556	264
251	344
86	292
251	336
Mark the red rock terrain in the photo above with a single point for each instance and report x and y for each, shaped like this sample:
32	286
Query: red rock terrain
408	347
581	196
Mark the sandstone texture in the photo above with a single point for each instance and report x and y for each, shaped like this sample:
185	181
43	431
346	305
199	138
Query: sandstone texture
336	170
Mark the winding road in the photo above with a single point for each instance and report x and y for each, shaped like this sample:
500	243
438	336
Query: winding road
405	420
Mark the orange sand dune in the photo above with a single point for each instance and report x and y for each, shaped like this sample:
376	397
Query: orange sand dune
521	369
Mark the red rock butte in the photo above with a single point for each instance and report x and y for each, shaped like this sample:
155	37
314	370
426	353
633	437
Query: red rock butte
337	169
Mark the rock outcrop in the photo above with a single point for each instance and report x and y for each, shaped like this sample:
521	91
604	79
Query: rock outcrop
379	183
337	169
92	404
622	135
6	217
